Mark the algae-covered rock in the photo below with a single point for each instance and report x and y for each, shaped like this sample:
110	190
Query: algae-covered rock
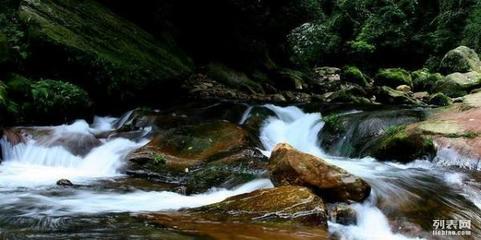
440	99
402	144
291	167
458	84
187	146
115	57
284	213
354	75
423	80
393	77
461	59
391	96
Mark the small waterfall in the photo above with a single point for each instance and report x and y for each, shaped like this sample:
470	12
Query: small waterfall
397	184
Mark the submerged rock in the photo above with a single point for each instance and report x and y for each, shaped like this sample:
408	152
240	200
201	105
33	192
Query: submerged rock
461	59
291	167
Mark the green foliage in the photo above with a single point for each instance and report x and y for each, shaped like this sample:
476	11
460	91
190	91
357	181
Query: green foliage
57	96
311	42
393	77
159	159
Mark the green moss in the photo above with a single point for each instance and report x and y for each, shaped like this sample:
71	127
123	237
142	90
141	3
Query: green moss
354	75
402	144
393	77
462	60
333	124
124	59
159	159
423	80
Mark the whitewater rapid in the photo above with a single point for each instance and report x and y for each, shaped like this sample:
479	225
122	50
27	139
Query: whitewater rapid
29	172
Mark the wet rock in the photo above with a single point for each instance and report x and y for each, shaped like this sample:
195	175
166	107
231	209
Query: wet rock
79	144
227	172
191	145
461	59
286	204
13	136
342	213
290	167
458	84
421	95
351	134
64	183
393	77
403	144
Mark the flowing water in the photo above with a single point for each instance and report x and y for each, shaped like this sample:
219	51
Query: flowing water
33	206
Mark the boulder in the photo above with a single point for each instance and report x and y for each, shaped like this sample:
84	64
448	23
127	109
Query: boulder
461	59
403	144
423	80
116	56
291	167
390	96
285	203
440	99
393	77
354	75
187	146
458	84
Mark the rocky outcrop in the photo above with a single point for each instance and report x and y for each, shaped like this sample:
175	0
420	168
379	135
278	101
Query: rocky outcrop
393	77
87	40
461	59
291	167
277	208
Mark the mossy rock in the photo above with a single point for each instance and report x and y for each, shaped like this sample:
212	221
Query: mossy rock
423	80
354	75
3	48
458	84
232	78
390	96
122	61
292	79
402	144
191	145
393	77
440	99
462	59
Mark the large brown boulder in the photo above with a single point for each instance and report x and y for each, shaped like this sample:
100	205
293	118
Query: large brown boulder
191	145
289	166
288	212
